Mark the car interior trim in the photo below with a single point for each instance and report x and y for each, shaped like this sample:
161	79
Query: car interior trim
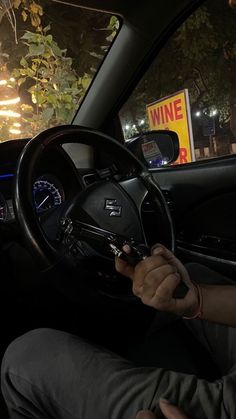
6	175
206	257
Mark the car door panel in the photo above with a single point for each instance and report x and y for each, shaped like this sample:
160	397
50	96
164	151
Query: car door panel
202	199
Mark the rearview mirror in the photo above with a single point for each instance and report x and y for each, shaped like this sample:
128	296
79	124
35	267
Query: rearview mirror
155	148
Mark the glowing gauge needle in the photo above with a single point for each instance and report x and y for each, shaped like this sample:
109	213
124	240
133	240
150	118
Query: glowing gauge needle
45	199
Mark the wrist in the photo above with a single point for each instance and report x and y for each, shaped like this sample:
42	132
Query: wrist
196	310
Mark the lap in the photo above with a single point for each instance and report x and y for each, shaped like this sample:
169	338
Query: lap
51	374
47	373
67	377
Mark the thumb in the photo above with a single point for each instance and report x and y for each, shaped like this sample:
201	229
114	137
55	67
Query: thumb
124	268
145	414
170	411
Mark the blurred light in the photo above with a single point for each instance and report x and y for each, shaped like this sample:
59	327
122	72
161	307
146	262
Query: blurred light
15	131
214	112
10	114
134	126
142	122
3	82
127	126
16	124
10	101
12	79
198	113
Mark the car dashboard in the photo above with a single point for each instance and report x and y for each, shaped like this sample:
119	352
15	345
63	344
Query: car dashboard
55	180
48	192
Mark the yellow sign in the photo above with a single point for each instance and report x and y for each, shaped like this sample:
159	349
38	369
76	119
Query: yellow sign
173	112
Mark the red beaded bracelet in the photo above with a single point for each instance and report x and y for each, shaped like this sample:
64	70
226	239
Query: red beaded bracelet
200	303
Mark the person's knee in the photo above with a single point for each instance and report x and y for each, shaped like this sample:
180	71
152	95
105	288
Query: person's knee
24	356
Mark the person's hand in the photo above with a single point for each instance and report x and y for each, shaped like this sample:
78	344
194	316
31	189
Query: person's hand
156	278
232	4
168	410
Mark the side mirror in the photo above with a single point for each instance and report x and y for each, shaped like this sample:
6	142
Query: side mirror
155	148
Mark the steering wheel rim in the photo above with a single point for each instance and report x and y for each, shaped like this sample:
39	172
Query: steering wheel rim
36	238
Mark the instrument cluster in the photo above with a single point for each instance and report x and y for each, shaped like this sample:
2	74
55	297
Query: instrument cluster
47	194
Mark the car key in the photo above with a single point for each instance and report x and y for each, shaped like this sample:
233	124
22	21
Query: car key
114	243
136	254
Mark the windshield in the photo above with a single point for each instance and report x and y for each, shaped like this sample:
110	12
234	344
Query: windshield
49	54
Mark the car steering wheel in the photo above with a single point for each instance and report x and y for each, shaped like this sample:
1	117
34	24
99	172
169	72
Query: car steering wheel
113	203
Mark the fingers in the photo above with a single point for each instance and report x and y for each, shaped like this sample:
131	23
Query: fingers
145	414
147	266
164	293
159	249
153	280
162	296
170	411
156	278
141	270
124	268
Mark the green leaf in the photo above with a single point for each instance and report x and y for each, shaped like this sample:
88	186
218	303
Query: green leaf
15	73
52	99
114	23
49	39
47	114
67	98
56	50
85	81
23	62
27	72
28	35
35	50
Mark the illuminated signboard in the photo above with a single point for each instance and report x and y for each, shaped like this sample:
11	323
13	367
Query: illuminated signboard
173	112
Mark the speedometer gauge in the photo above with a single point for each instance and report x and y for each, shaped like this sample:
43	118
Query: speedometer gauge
46	194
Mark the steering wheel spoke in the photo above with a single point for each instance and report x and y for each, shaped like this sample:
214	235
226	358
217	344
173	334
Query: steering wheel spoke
136	189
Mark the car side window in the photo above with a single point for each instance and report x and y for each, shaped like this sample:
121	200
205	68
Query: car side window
191	86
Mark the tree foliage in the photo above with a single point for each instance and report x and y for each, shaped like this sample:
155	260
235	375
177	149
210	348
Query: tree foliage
28	9
49	81
55	89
